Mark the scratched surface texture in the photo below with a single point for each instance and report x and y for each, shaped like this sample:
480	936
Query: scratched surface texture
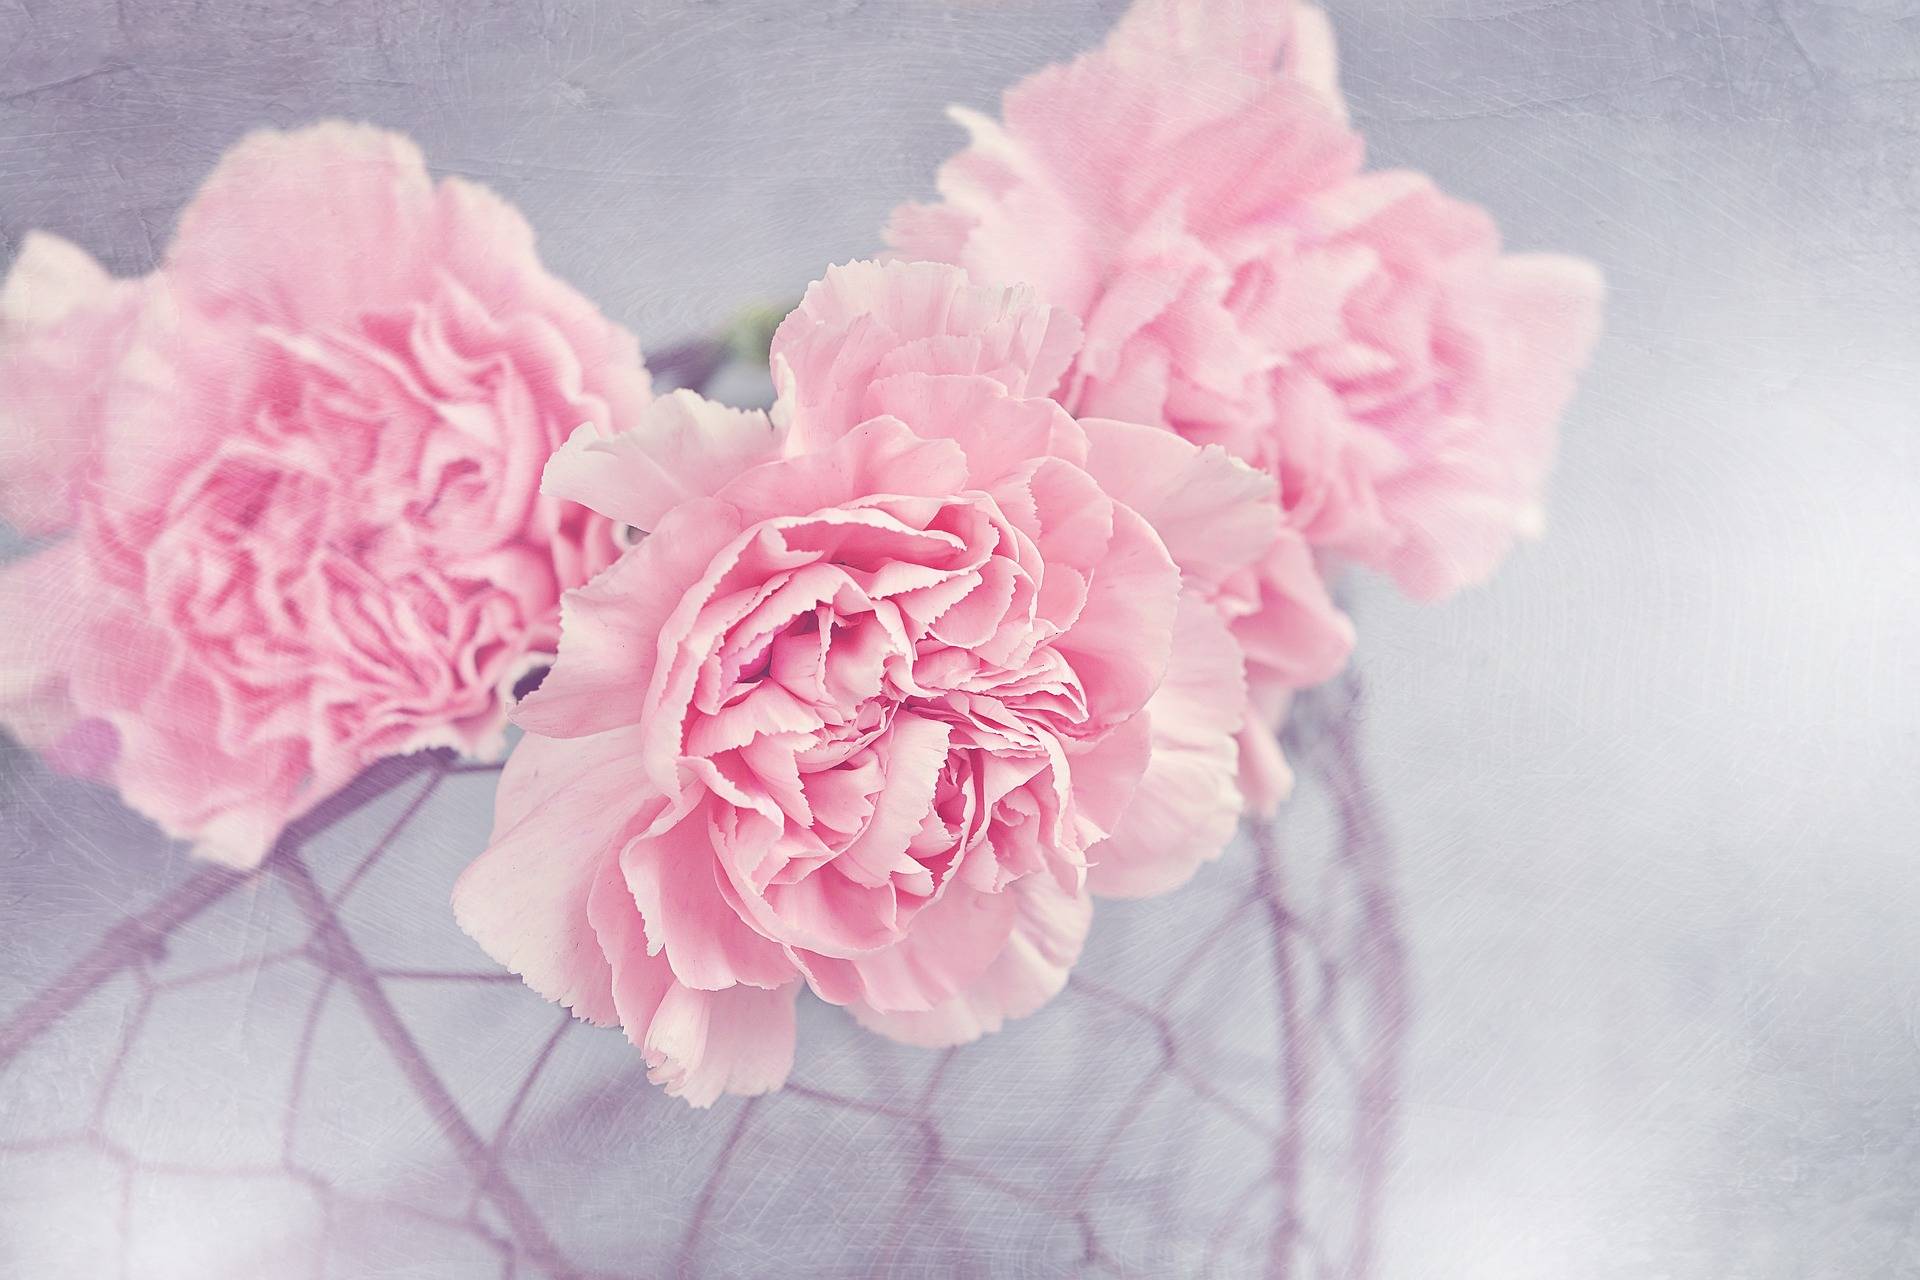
1586	953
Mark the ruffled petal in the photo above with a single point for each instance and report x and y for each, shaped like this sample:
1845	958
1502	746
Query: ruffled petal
880	456
701	1045
313	202
867	321
1187	805
1312	56
674	877
1464	507
1266	779
1121	639
953	942
1216	514
684	446
615	625
562	813
64	326
1296	636
998	434
1049	927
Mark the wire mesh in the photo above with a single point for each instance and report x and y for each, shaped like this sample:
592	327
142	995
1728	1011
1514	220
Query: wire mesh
307	1070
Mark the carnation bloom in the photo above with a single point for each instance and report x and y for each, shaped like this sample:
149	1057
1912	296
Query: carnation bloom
1192	192
302	459
896	678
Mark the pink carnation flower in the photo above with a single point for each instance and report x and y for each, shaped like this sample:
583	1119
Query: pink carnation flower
895	680
1192	192
303	458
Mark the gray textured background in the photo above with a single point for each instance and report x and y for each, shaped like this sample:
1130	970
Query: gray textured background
1653	791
